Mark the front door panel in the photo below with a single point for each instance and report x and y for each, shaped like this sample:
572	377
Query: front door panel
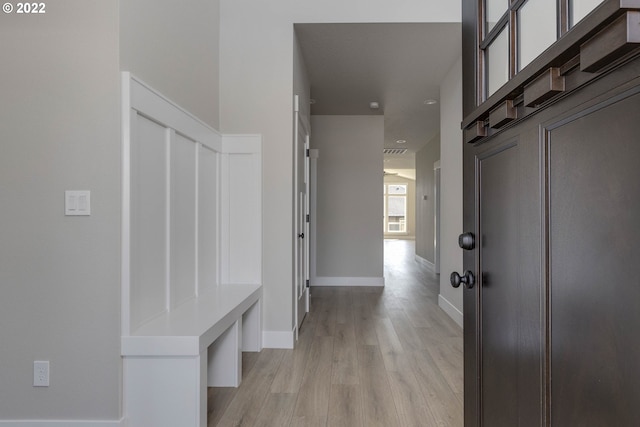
498	285
594	248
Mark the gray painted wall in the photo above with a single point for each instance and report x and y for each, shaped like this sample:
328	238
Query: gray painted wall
60	130
425	227
256	63
349	202
60	276
301	85
173	46
451	166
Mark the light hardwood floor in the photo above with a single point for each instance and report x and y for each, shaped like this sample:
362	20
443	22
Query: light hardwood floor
366	357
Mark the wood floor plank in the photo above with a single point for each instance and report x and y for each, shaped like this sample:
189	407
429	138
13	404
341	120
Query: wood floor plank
441	400
378	405
313	398
345	406
389	343
218	400
344	307
308	421
247	403
408	335
277	410
326	318
450	363
249	359
364	324
344	368
411	405
294	364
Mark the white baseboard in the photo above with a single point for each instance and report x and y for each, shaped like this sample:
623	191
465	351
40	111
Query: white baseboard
348	281
451	310
278	339
426	263
49	423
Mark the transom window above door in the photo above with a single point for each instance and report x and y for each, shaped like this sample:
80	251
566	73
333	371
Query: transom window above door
512	33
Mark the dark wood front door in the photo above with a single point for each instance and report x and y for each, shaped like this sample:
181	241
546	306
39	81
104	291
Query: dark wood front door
552	322
551	325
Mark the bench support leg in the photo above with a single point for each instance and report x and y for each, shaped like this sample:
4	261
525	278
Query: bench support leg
225	358
252	329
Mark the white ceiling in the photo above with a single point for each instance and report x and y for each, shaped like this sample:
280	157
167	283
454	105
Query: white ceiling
398	65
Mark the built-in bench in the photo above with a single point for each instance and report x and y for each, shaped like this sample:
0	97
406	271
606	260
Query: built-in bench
191	259
170	361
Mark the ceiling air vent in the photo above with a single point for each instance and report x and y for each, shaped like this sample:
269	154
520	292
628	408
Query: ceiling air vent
394	150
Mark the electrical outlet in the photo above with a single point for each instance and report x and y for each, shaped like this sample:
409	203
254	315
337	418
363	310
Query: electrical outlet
41	373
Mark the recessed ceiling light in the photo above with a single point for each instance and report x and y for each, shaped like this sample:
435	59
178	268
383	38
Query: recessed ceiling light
430	101
401	141
374	105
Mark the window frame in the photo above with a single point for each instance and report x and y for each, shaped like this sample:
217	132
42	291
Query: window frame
509	19
582	53
386	196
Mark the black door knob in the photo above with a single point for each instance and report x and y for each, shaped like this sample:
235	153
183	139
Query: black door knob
301	235
467	241
467	279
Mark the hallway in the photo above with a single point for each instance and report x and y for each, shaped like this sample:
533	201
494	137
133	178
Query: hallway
366	357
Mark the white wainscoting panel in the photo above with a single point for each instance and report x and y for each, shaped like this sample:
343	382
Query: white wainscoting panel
192	206
149	152
182	211
208	219
244	206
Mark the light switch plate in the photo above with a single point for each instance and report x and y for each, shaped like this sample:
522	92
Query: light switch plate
77	202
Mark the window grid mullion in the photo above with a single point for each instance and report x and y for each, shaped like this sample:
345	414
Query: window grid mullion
513	43
510	18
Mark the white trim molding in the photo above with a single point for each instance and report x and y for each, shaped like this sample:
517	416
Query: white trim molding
348	281
278	339
451	310
75	423
426	263
395	236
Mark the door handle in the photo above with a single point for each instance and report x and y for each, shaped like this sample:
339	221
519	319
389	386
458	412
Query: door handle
467	279
301	235
467	241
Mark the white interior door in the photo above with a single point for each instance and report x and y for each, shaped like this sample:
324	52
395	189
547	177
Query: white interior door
436	216
301	252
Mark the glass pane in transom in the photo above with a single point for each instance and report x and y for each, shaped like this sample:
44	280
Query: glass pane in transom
581	8
493	11
537	29
497	62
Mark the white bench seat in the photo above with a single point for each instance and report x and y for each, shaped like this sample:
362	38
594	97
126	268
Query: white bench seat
194	325
170	360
